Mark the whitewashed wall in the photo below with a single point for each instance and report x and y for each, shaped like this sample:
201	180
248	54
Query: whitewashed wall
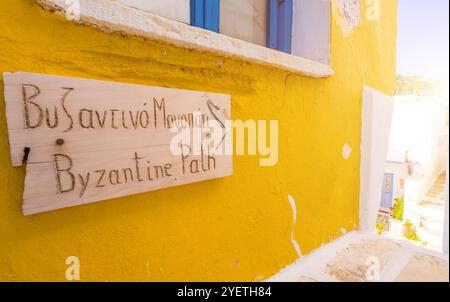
376	124
417	124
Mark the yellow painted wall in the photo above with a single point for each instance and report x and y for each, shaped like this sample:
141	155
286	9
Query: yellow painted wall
235	228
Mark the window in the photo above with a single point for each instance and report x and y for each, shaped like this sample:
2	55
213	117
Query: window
277	24
263	22
298	27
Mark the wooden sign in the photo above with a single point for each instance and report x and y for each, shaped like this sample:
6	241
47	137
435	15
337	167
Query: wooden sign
87	140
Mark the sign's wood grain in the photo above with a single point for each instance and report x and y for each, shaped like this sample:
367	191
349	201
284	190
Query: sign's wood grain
92	140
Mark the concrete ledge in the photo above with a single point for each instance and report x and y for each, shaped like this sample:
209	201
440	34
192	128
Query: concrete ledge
113	17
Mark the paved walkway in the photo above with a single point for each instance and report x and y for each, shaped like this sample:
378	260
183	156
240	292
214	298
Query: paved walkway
367	257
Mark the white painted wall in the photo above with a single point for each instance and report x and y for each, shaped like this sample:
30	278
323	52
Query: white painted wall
376	123
311	30
417	123
245	19
178	10
248	20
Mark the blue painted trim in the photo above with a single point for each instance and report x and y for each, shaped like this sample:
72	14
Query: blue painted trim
205	14
280	25
285	25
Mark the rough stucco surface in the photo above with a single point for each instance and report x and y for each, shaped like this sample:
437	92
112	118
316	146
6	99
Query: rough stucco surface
235	228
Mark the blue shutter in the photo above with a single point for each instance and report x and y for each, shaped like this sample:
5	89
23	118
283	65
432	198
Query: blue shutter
280	25
205	14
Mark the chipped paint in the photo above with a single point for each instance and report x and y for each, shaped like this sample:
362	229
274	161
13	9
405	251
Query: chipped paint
295	244
347	14
346	151
294	208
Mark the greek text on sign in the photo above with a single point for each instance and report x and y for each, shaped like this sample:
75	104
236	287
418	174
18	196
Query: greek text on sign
87	140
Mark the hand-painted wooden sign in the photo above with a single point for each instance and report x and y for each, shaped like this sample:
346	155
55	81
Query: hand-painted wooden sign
87	140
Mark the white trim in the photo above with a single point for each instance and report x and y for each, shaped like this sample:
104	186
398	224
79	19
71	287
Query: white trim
112	16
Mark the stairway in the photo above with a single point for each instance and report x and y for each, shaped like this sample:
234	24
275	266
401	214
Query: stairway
430	214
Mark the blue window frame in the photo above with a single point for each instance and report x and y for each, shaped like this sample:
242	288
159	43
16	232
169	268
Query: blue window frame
280	25
205	14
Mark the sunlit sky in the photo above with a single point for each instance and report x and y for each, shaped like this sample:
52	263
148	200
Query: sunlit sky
423	37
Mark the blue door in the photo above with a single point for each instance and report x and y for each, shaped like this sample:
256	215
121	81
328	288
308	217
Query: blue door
387	191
